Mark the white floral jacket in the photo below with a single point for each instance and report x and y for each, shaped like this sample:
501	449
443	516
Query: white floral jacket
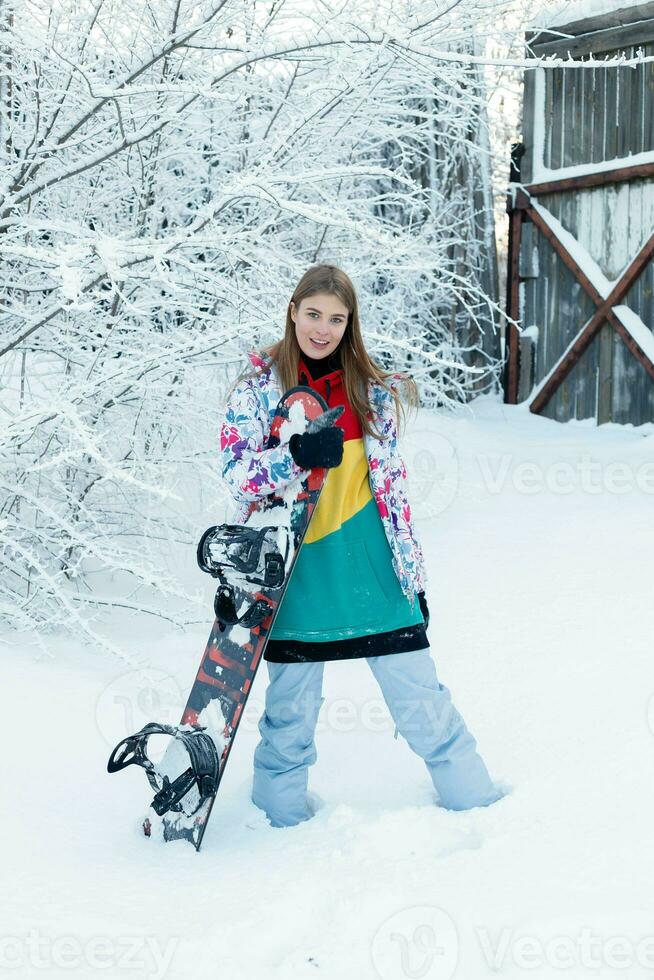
252	472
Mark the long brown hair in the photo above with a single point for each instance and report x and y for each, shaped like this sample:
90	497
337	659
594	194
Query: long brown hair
358	367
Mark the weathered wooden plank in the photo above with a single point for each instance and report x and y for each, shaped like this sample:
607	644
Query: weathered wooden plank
592	179
563	400
648	102
528	264
580	120
583	378
610	129
604	410
599	112
545	317
634	108
556	325
617	210
554	330
570	119
547	120
622	119
556	76
591	125
528	117
620	396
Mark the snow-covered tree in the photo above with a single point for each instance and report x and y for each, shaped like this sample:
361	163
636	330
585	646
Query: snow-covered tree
168	172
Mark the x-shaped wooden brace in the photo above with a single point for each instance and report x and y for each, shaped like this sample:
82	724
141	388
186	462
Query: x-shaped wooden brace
603	313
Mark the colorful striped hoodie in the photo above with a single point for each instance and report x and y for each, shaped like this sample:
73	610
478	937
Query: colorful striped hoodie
345	598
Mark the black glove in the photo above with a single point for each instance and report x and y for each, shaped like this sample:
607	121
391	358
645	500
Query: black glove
424	608
322	448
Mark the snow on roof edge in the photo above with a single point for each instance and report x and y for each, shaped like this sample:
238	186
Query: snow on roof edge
570	11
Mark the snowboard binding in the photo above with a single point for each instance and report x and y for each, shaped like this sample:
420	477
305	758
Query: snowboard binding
170	795
257	556
243	557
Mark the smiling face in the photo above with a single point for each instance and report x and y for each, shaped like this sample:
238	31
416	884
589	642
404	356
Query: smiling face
321	317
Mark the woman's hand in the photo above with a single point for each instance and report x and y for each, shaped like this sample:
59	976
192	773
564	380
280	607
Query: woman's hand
322	448
250	470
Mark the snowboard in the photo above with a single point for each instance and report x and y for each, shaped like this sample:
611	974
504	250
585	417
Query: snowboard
253	562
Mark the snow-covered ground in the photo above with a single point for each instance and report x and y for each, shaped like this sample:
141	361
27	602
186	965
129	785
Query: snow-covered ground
539	540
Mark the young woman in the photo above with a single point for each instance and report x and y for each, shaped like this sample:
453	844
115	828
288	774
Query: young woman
358	585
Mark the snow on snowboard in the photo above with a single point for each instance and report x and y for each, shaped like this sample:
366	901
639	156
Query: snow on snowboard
253	563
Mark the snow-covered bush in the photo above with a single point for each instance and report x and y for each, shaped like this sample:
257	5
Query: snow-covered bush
167	173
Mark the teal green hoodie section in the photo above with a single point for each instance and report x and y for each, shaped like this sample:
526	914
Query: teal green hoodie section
344	585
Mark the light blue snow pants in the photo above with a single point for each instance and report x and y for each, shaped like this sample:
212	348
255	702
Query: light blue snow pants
420	706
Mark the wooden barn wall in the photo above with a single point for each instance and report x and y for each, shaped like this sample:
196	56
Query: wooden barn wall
591	115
